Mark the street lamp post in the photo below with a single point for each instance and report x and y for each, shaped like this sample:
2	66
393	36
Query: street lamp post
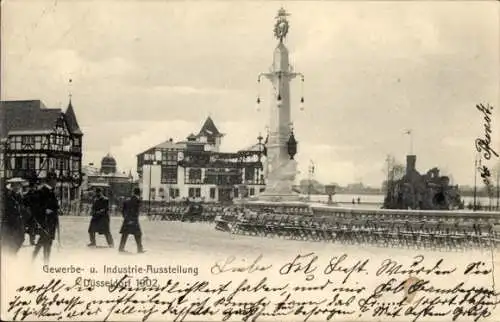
474	206
149	186
155	157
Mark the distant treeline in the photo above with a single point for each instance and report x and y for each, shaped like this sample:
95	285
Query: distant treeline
317	188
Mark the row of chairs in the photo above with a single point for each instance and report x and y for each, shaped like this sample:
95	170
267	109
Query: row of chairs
438	235
179	212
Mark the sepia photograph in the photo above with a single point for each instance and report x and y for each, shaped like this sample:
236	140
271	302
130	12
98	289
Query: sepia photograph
250	160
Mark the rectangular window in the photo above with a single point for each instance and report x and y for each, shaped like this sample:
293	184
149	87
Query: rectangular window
191	192
27	140
38	142
75	165
249	174
198	192
236	193
169	174
194	176
252	191
18	163
210	179
18	142
212	193
31	163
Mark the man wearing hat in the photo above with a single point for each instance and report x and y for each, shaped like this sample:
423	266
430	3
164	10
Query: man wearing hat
100	219
47	216
130	226
12	223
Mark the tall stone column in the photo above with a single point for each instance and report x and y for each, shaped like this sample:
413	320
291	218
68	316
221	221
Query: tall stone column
281	168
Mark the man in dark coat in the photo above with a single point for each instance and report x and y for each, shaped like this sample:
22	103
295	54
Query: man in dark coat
130	226
47	216
30	201
100	219
12	223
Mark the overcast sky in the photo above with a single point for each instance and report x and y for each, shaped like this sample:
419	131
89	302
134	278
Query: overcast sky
145	72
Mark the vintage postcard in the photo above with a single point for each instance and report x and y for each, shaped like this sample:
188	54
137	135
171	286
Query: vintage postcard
250	161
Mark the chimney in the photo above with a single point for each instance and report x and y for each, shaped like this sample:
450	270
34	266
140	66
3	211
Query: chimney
411	160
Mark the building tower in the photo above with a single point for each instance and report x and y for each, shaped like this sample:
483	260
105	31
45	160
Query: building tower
281	145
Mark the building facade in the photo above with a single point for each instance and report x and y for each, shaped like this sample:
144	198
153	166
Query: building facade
115	185
37	140
195	169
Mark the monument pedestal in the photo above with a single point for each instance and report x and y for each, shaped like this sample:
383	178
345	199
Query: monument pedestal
280	182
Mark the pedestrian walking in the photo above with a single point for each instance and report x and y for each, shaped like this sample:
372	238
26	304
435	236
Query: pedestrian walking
47	216
131	226
12	223
99	224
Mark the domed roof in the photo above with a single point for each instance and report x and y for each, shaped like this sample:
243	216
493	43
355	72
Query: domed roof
108	160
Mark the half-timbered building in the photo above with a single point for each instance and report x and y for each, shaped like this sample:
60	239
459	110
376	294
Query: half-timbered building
196	169
37	139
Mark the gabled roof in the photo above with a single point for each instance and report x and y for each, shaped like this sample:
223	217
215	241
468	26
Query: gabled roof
169	144
71	119
30	115
209	129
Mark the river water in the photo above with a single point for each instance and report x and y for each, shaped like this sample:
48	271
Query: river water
378	200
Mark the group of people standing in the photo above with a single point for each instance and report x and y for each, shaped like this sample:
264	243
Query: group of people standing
36	213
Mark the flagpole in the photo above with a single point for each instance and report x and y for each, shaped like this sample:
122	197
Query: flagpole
411	142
